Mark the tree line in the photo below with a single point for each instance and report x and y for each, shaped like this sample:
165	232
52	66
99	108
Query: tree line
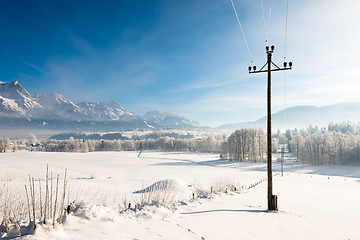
209	144
245	145
336	144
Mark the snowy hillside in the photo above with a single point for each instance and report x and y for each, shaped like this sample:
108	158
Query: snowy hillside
190	196
303	116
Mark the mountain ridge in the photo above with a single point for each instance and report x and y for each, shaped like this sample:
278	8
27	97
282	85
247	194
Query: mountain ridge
303	116
53	110
19	109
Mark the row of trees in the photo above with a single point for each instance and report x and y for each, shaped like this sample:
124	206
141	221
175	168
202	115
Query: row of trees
324	147
209	144
245	145
337	144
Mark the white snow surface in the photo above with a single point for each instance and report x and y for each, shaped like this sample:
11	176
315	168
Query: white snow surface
315	202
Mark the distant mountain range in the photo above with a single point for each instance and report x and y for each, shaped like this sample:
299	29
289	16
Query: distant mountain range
18	109
303	116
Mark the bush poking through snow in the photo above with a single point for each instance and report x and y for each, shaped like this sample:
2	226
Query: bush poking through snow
12	210
21	211
225	186
43	203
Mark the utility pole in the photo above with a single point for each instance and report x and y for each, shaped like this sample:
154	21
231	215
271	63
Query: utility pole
272	199
282	159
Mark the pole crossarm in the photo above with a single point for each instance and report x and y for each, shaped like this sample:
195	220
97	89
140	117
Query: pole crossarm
272	70
287	66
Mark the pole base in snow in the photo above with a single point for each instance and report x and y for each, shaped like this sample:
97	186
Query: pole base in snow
274	204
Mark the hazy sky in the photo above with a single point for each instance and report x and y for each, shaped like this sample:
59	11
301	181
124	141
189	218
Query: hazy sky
184	56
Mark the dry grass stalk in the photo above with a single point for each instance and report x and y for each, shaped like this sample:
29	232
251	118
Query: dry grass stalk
32	195
28	203
41	206
46	194
34	205
51	194
63	198
56	198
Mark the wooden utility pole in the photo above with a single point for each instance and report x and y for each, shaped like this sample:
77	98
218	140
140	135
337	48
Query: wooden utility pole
282	159
272	199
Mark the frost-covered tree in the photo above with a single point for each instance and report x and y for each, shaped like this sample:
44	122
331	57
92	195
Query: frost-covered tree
4	145
32	139
15	146
84	147
245	145
336	145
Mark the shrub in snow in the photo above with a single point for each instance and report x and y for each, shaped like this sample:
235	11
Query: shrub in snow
22	211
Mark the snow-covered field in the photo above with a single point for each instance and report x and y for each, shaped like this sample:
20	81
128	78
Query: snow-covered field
320	202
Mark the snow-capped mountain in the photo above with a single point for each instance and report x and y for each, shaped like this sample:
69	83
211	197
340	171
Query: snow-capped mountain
61	107
8	107
15	100
19	109
168	120
106	111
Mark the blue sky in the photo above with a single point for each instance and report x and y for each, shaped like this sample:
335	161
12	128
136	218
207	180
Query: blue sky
183	56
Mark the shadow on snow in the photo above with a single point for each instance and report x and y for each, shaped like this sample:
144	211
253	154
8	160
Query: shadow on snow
226	210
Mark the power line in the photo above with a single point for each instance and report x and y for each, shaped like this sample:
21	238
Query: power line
285	45
285	97
286	26
268	24
237	17
262	10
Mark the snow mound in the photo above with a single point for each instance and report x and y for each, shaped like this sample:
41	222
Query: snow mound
162	185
